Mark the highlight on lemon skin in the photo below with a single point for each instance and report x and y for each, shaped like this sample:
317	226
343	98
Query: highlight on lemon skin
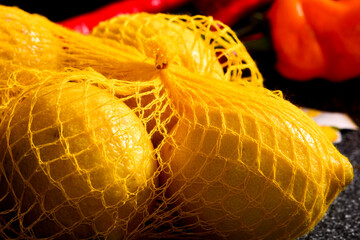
76	163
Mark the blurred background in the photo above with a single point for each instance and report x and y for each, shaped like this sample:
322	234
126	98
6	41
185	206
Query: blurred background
310	50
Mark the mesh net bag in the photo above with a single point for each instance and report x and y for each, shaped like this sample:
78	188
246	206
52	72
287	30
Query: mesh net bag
128	134
196	43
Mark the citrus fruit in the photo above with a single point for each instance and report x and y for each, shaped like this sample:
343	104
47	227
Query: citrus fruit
76	162
25	41
33	41
150	32
251	166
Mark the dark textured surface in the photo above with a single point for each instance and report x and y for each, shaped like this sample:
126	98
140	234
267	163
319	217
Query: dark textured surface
342	220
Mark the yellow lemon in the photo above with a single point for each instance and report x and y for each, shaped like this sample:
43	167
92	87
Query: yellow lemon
252	166
148	33
32	40
76	162
25	41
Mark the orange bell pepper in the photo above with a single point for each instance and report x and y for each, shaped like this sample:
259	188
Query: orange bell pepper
316	38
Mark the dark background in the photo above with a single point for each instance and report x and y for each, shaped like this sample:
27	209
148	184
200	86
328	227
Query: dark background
342	221
57	10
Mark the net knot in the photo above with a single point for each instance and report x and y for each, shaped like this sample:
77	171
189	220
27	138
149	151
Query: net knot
161	59
158	49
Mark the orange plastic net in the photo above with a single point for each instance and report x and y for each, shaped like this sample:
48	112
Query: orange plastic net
131	134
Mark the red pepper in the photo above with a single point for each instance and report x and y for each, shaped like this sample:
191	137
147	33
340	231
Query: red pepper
230	11
84	23
316	38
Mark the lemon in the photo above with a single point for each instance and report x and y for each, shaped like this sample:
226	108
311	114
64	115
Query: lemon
26	41
33	41
180	44
76	162
250	167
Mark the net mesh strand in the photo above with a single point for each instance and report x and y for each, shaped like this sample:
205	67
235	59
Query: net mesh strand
104	137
